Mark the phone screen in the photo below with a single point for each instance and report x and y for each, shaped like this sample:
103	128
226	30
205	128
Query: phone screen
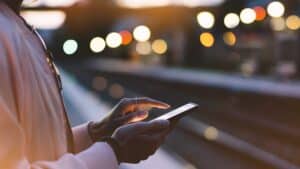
179	112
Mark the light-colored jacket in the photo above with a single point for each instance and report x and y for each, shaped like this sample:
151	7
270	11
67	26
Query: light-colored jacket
32	122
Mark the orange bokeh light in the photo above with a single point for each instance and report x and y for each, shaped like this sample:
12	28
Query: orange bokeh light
126	37
260	13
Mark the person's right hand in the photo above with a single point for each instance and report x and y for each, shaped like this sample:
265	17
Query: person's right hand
140	140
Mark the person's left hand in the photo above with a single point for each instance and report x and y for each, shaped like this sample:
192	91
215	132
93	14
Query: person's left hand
125	112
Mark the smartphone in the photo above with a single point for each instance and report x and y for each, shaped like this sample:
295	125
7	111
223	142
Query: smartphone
178	113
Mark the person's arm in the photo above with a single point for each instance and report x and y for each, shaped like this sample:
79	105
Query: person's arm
12	135
13	156
82	139
125	112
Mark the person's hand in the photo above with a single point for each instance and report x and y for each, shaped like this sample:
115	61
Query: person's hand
125	112
140	140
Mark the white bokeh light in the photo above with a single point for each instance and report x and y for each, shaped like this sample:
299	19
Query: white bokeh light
206	20
248	16
231	20
114	40
55	19
70	47
160	3
97	44
276	9
142	33
51	3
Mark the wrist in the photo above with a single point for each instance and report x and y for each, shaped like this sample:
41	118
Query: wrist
113	143
97	131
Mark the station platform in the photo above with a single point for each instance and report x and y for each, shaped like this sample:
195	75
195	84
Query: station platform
83	106
229	81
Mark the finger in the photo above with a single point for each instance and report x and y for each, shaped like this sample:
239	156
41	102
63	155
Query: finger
133	117
144	104
152	102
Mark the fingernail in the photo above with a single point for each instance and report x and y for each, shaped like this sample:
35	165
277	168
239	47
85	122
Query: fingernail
142	113
168	106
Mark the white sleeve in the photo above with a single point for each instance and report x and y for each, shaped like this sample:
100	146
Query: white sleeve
98	156
12	135
12	150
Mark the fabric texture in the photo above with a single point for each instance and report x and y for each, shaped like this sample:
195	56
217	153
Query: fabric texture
32	122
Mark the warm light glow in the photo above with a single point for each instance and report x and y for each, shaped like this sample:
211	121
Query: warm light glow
248	16
231	20
207	39
260	13
293	22
142	33
70	47
113	40
52	3
211	133
45	19
161	3
99	83
277	24
160	46
276	9
143	48
116	91
229	38
97	44
206	20
126	37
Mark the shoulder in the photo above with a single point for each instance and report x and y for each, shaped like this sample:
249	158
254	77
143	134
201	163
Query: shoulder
8	25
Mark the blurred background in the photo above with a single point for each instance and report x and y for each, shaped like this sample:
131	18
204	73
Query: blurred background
240	60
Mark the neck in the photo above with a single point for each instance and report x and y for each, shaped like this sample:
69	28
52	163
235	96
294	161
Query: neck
15	5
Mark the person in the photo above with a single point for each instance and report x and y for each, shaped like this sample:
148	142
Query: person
34	128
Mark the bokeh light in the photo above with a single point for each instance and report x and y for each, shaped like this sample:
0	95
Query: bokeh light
55	19
99	83
161	3
206	20
277	24
143	48
113	40
248	16
126	37
260	13
293	22
60	2
276	9
97	44
229	38
248	68
211	133
70	47
142	33
50	3
207	39
116	91
160	46
231	20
